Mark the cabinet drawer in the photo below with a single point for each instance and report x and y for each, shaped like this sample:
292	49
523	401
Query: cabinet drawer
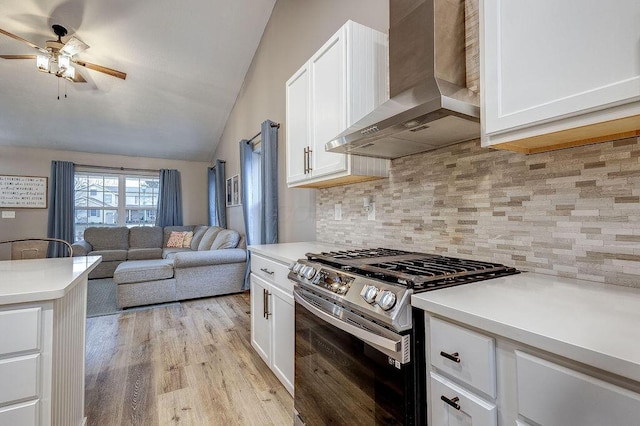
21	330
475	365
468	410
549	394
19	377
25	414
272	271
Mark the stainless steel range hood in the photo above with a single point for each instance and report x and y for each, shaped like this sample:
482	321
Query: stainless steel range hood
430	105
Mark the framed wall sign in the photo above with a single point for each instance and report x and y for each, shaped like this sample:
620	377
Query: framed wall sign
233	191
23	192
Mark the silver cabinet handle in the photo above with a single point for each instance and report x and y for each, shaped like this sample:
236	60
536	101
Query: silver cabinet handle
309	151
265	303
266	271
304	159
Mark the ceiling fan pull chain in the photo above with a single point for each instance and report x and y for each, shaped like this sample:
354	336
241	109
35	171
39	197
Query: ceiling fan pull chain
58	89
65	89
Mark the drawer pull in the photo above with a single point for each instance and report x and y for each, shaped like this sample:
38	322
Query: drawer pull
453	357
266	271
452	402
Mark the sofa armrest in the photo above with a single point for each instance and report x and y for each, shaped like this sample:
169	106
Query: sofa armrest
81	248
208	257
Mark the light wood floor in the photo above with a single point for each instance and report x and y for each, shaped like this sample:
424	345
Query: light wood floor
191	364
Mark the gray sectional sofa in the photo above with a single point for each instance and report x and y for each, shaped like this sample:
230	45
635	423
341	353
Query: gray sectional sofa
147	271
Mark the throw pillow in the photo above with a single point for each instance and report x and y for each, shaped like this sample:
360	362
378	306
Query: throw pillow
227	238
198	233
176	239
208	237
188	236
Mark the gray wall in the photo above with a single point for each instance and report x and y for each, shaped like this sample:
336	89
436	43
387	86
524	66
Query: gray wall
573	213
296	30
37	162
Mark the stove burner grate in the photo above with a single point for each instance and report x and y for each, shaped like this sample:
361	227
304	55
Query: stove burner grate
419	271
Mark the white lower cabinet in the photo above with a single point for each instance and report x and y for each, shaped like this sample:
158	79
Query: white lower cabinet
477	378
553	395
462	385
272	317
452	405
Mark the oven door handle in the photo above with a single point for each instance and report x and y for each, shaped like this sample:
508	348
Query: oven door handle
364	335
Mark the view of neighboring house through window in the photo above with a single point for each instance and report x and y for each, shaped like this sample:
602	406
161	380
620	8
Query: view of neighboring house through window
103	199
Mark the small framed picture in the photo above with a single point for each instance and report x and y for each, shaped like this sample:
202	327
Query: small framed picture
233	191
236	190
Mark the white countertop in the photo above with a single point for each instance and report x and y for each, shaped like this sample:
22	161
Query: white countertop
290	252
42	279
596	324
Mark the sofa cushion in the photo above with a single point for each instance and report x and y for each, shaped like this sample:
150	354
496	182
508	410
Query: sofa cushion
144	253
145	237
198	233
168	252
110	255
136	271
107	237
209	237
227	238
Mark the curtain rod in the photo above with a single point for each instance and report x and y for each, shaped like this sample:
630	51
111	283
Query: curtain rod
276	125
116	168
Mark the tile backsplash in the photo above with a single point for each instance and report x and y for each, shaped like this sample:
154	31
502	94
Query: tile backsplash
572	213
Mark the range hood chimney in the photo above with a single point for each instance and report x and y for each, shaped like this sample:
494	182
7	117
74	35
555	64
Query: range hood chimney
430	105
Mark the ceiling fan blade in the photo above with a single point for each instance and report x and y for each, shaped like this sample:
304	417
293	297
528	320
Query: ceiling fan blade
18	56
78	78
74	46
100	68
27	42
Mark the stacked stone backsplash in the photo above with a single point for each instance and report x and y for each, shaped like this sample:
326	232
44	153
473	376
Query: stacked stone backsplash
572	213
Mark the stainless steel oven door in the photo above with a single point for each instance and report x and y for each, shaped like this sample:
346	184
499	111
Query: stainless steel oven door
349	371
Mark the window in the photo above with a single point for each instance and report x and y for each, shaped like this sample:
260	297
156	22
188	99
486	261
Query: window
114	200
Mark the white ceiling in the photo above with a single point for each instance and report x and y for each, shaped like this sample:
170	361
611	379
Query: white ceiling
185	63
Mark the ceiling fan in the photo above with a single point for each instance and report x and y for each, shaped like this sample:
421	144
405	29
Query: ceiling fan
57	56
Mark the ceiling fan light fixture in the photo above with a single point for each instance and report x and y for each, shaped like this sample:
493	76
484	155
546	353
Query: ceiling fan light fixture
64	62
43	62
69	73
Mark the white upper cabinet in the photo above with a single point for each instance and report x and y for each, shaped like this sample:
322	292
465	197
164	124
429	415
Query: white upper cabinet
558	73
341	83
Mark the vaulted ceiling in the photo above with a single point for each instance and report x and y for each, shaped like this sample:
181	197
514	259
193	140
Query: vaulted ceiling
185	63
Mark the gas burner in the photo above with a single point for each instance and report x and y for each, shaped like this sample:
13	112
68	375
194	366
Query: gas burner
419	271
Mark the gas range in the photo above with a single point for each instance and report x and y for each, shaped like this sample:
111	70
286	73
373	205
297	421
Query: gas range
377	284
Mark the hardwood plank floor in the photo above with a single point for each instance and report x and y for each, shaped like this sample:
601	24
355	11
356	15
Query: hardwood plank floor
187	364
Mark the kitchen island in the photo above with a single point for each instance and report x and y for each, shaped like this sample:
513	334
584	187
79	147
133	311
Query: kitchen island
42	321
558	351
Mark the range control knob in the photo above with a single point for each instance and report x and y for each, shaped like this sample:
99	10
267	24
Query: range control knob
296	268
369	294
386	300
308	272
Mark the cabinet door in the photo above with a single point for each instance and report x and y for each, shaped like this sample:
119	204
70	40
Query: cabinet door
297	123
464	409
328	103
552	395
260	325
283	332
544	60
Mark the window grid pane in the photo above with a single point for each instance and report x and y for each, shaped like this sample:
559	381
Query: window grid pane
97	201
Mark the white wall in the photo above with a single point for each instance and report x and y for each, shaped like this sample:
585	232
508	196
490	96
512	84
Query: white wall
37	162
297	29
